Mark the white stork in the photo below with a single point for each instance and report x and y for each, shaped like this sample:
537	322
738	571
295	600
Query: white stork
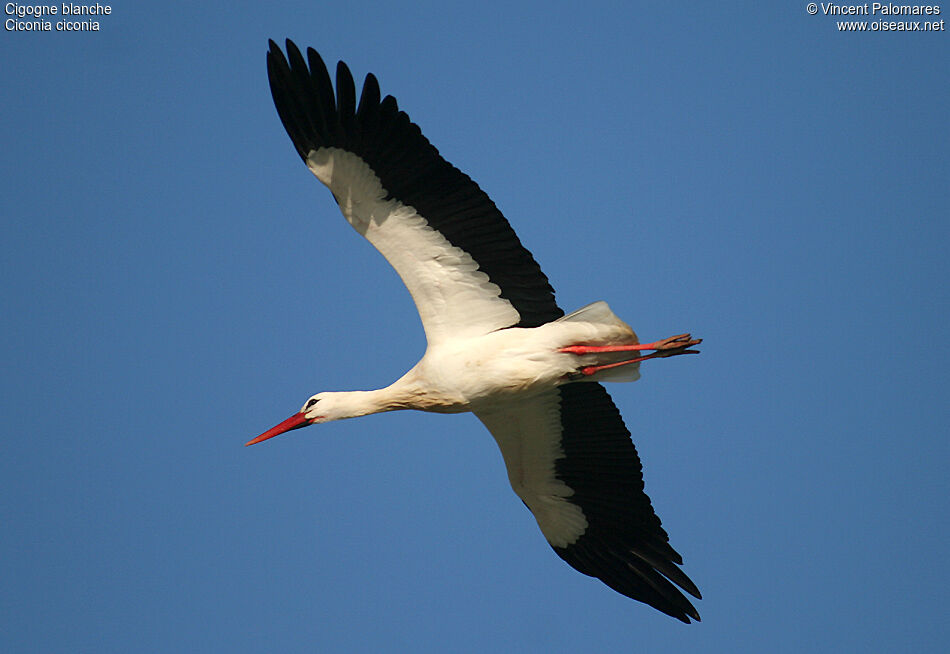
498	344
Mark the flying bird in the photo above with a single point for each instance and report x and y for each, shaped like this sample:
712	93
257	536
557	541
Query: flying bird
498	345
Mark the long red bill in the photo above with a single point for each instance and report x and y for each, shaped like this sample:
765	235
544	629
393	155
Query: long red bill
295	421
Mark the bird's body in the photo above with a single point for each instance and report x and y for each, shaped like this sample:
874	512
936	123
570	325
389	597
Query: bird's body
498	344
507	364
476	373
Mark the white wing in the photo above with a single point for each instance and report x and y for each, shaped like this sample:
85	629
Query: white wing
570	459
463	264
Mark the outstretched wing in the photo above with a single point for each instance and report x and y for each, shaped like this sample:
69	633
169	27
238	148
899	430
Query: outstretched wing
571	461
460	259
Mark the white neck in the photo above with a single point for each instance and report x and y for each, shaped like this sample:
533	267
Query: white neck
353	404
405	393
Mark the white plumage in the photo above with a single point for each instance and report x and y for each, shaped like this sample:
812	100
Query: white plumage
498	344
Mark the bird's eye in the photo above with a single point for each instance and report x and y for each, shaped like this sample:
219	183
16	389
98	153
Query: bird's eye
312	401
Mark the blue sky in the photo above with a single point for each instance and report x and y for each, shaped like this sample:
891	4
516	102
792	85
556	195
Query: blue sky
174	282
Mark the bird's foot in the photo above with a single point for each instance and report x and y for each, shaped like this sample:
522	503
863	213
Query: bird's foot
670	347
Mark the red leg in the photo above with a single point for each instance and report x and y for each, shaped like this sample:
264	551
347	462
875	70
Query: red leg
667	347
671	343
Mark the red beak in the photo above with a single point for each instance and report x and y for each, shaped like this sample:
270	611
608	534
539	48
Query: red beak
295	421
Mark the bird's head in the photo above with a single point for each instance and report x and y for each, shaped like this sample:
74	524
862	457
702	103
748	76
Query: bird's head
321	407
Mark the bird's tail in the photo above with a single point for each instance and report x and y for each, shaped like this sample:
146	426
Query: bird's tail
599	313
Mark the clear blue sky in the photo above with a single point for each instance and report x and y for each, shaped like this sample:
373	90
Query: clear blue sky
174	282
